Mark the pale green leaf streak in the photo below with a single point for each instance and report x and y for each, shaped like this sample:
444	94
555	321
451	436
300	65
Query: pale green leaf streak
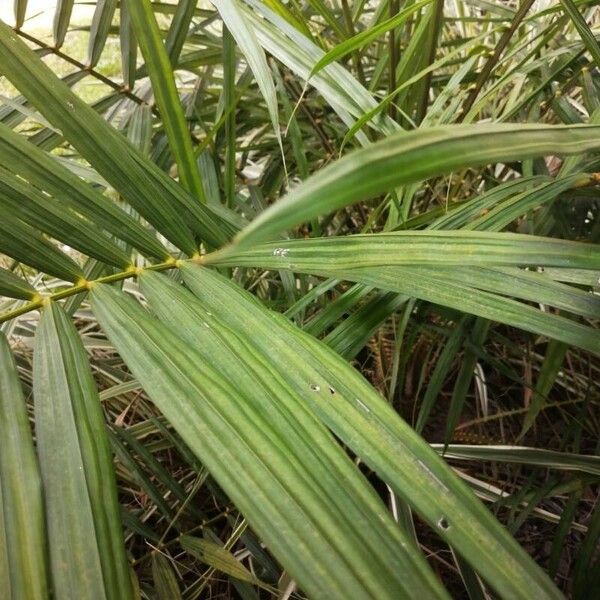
87	554
438	247
21	491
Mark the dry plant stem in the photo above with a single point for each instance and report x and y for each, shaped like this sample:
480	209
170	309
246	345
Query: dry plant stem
121	89
117	87
518	411
316	124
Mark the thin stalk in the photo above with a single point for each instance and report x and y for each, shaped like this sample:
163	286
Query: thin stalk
351	31
495	57
229	97
122	89
393	59
85	285
117	87
434	34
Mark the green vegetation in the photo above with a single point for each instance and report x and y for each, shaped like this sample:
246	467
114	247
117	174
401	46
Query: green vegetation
300	300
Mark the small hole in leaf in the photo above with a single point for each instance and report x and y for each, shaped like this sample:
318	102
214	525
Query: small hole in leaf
314	387
331	390
443	524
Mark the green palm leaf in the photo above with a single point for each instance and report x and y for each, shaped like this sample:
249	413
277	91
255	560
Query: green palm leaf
23	243
87	555
140	182
21	508
15	287
155	55
349	406
40	170
293	483
408	157
146	201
